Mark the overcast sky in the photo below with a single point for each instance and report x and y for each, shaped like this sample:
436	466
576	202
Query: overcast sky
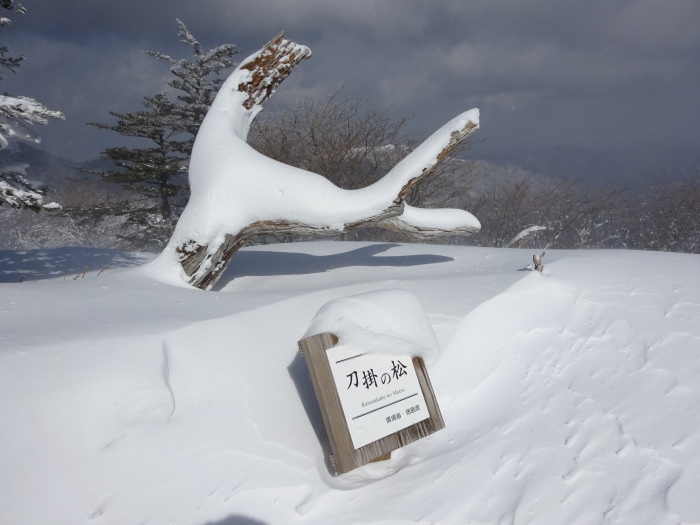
616	83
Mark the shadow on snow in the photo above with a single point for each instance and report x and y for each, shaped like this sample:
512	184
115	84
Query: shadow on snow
258	263
26	265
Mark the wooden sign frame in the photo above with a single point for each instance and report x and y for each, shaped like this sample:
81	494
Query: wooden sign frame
345	457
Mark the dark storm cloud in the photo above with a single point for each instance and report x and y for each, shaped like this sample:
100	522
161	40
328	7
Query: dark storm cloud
599	76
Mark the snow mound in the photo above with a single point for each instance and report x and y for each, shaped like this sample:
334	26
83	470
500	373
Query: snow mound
389	322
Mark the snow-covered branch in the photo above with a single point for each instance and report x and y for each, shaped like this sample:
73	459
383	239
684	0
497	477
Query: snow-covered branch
18	192
13	6
15	189
13	110
237	193
27	109
521	237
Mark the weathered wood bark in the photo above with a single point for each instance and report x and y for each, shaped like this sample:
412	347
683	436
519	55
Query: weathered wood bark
218	261
204	256
272	65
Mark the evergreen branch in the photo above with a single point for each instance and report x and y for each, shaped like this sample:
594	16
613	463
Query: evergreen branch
27	109
13	6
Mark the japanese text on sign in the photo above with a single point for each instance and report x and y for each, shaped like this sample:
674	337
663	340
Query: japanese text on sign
379	394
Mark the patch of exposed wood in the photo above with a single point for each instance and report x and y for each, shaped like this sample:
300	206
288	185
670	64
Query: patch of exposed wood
270	68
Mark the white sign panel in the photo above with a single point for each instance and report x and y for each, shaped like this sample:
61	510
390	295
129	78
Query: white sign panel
380	394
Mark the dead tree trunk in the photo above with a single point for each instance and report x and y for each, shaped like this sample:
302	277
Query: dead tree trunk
238	194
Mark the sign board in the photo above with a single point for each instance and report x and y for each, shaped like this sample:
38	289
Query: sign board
371	404
379	394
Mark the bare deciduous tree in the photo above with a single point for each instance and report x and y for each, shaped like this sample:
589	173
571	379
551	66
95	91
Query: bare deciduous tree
671	218
335	137
556	212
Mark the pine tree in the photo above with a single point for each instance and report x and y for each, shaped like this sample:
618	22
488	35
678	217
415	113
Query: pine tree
171	124
193	80
15	189
151	171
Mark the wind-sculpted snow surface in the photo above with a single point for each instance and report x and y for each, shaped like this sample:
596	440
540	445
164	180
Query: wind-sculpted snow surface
571	396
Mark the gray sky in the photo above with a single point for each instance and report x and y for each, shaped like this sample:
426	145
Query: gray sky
608	87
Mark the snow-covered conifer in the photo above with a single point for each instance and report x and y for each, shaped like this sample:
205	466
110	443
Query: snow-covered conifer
150	171
171	124
195	81
15	189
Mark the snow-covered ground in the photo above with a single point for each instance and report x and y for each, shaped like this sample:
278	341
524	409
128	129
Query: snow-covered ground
571	397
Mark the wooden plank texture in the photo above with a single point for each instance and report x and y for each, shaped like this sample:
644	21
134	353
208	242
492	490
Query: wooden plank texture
344	456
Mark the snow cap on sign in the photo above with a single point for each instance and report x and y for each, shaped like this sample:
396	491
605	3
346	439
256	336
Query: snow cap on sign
383	322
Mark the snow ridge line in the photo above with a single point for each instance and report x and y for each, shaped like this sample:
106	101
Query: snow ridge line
165	371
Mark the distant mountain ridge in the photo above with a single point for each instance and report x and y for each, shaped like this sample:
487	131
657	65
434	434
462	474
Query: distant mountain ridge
47	169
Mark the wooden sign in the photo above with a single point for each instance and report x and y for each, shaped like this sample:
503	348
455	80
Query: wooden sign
371	404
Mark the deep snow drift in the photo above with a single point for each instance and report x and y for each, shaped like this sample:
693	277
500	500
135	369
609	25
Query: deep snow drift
569	397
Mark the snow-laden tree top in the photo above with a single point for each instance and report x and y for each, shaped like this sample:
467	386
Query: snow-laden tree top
15	112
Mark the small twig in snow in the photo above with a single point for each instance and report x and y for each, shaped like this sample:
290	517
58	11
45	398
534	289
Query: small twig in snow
82	274
537	259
